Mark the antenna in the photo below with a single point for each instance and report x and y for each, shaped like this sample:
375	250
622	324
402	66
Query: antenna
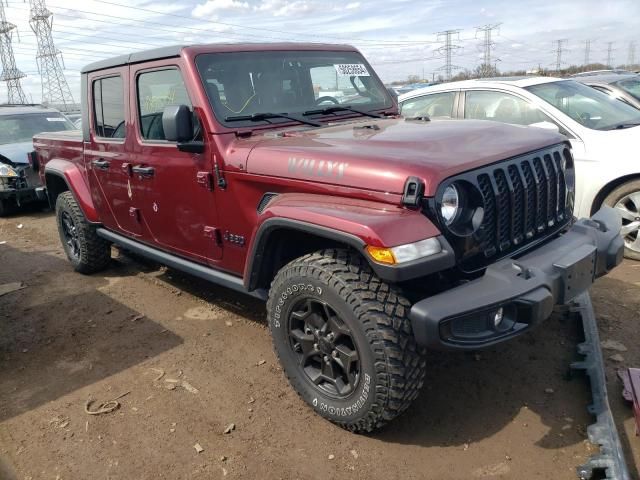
55	89
10	72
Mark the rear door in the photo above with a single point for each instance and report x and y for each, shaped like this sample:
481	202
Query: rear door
106	153
176	188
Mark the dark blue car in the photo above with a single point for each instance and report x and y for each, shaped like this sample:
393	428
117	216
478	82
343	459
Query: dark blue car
19	180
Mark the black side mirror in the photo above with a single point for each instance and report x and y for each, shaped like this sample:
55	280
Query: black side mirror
177	123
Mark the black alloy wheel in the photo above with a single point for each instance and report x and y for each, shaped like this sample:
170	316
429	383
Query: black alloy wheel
325	347
70	235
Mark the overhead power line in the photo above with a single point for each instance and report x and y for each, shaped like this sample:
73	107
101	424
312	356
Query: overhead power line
560	49
587	51
55	89
447	51
488	44
288	33
610	50
10	72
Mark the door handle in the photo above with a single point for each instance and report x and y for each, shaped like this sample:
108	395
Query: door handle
143	171
101	164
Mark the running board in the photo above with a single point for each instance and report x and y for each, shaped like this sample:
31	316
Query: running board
197	270
610	459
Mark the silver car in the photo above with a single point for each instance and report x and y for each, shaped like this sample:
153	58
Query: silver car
625	87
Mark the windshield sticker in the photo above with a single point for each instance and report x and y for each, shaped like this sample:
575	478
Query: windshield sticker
351	69
55	119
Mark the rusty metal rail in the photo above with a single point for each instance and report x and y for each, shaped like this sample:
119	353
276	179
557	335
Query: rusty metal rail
603	432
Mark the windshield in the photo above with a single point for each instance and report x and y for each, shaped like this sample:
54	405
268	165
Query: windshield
631	86
291	82
586	105
22	128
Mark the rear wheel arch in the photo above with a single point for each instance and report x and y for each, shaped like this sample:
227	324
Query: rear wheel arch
56	184
61	176
610	187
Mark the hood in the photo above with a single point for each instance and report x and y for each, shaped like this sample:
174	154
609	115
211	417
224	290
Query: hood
380	154
16	153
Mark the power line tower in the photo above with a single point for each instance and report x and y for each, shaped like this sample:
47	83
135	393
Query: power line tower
10	72
487	45
560	49
610	50
631	58
447	51
55	89
587	51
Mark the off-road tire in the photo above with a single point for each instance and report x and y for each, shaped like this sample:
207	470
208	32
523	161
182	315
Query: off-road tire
613	198
392	366
93	253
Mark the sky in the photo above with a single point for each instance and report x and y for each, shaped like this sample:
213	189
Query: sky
398	37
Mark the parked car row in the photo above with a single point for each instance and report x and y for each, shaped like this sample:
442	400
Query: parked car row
603	131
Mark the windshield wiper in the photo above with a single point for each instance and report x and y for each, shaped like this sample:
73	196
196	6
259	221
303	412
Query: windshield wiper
625	125
256	117
340	108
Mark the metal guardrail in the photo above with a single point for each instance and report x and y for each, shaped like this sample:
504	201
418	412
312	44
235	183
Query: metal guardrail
603	432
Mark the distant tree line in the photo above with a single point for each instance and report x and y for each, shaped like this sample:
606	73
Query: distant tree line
488	71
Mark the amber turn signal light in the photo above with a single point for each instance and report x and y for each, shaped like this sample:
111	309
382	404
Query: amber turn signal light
381	254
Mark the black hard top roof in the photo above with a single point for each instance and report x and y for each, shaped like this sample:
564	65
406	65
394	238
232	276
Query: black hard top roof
153	54
175	51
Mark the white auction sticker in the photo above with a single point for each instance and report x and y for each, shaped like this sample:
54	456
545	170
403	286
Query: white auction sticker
55	119
351	69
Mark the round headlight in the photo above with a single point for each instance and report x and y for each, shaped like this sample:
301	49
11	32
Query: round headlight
450	204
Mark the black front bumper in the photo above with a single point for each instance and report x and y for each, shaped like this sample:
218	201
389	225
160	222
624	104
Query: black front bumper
526	288
22	189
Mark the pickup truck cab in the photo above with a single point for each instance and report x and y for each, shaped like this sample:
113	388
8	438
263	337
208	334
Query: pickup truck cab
284	171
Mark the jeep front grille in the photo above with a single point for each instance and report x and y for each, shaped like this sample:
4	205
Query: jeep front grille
525	201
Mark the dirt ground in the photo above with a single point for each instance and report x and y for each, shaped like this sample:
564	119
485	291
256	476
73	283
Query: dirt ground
509	412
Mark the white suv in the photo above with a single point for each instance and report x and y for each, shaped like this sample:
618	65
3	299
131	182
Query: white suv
604	133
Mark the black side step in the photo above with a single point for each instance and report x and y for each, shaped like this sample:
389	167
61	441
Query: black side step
603	432
179	263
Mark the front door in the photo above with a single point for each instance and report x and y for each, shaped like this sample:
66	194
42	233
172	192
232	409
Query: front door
175	188
106	153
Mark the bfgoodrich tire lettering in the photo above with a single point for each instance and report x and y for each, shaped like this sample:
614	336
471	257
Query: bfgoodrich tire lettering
87	252
390	368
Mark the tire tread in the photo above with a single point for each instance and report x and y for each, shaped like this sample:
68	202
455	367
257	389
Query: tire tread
399	363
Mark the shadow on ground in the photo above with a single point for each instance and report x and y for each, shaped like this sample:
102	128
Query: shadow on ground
56	342
467	396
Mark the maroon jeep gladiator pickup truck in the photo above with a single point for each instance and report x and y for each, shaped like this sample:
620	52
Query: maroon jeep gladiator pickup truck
284	171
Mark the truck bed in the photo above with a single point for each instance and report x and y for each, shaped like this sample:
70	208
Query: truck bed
65	135
66	144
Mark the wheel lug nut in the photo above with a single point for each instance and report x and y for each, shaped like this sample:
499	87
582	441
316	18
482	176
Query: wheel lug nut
334	354
330	337
315	346
326	359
